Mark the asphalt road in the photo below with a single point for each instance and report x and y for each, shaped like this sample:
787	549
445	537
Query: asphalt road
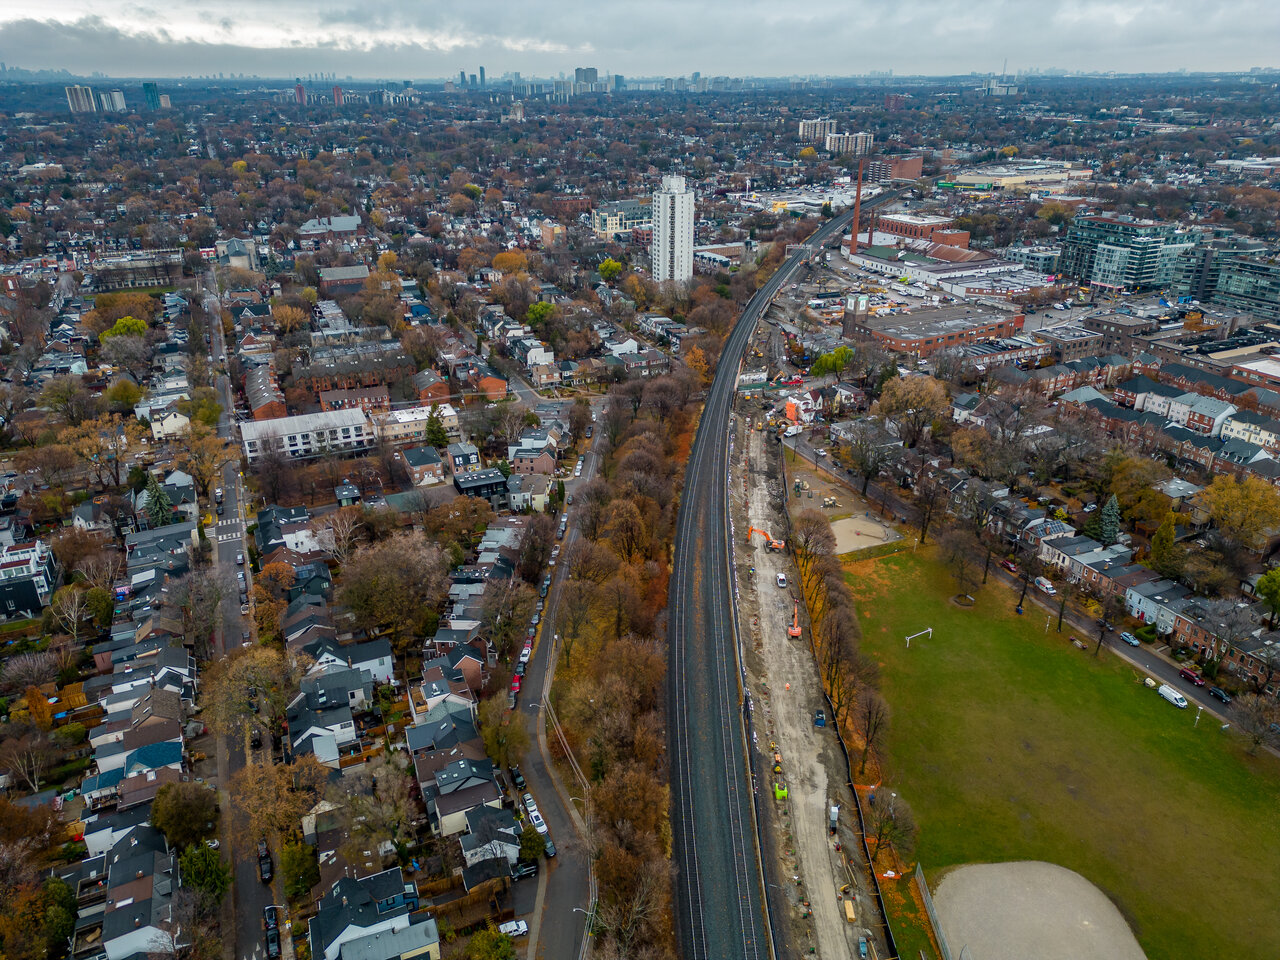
566	896
249	894
720	909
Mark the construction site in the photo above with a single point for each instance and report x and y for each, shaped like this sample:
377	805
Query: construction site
820	888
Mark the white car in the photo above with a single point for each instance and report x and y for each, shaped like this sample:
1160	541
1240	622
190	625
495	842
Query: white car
514	928
525	654
782	579
539	824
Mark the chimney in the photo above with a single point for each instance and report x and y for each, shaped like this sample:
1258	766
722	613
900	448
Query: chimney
857	211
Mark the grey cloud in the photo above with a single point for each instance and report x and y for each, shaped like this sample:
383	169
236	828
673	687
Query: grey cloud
402	38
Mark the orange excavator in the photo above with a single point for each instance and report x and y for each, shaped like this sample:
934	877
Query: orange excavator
794	629
769	542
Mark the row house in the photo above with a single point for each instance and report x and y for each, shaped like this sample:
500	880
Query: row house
425	465
1254	427
372	399
1200	413
410	424
307	435
430	387
1157	602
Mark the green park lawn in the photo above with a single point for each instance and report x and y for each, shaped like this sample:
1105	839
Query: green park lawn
1011	744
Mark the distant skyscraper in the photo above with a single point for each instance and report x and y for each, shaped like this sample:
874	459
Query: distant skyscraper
151	95
586	75
462	78
673	231
473	81
482	78
299	94
80	99
338	98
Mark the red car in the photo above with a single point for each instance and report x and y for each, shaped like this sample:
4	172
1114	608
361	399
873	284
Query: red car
1186	673
515	684
1009	565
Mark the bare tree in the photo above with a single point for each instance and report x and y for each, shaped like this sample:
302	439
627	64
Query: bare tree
868	454
26	756
102	568
24	670
963	554
812	538
1257	716
870	719
890	823
930	499
69	606
344	526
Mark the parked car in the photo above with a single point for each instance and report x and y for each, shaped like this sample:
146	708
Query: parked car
239	559
527	652
1173	696
782	579
548	847
524	868
1009	565
516	681
273	943
264	862
1045	587
517	778
1219	694
1130	639
819	718
1090	507
1186	673
514	928
520	668
530	804
535	819
271	916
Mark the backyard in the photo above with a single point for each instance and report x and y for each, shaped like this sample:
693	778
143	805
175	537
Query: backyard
1011	744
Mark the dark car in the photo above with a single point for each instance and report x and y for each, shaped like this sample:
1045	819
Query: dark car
549	848
264	861
517	778
1186	673
524	868
220	509
520	669
1219	694
273	944
271	916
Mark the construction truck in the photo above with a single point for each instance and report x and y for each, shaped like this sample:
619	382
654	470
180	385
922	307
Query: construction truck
769	541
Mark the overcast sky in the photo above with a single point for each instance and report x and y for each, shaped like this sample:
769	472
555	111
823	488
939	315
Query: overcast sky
417	39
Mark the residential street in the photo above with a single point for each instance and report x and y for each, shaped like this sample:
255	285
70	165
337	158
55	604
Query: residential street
563	882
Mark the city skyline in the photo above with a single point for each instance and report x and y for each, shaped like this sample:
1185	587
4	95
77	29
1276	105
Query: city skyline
436	40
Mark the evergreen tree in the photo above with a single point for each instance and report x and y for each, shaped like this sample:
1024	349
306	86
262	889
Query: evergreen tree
1164	553
1109	522
437	436
159	506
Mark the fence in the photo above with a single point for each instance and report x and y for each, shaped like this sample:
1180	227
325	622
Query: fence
933	917
890	942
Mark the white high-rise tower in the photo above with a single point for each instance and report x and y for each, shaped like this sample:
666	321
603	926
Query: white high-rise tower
673	231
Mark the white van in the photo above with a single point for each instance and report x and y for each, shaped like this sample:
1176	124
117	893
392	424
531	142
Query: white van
1045	587
1173	696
